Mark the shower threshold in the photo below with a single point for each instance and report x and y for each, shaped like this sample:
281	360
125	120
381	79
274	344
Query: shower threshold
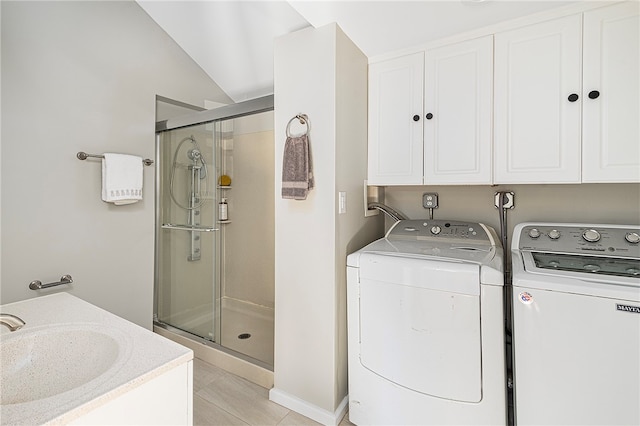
232	361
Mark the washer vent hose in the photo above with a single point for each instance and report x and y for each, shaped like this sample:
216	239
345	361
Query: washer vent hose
393	214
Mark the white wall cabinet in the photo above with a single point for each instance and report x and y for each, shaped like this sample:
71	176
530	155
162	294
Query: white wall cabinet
453	126
562	106
567	99
611	94
395	121
458	112
537	108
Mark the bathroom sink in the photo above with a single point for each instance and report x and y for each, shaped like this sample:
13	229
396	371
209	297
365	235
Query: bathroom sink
51	360
72	363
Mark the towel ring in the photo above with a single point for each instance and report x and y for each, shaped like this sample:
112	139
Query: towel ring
303	120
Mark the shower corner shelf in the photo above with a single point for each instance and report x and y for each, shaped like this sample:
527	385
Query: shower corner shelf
224	186
224	222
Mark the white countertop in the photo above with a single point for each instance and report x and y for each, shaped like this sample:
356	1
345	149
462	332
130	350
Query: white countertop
142	355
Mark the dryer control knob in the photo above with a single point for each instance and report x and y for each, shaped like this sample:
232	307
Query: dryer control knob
534	233
632	237
554	234
435	230
591	235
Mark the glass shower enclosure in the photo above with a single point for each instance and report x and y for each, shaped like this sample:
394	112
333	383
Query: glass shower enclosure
214	265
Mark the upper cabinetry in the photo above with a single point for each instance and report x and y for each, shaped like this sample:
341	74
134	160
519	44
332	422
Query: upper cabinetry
395	121
566	99
551	102
430	116
611	94
537	112
458	111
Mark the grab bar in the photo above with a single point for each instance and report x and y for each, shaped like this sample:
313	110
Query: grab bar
83	156
37	284
188	228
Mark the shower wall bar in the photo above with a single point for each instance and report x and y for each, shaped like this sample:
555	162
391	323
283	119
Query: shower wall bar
189	228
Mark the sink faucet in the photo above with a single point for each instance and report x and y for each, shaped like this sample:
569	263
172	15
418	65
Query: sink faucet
12	322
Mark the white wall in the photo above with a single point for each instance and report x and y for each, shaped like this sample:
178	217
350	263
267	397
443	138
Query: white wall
584	203
318	72
83	76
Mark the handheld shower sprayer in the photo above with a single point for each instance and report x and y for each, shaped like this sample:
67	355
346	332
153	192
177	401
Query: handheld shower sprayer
197	170
195	155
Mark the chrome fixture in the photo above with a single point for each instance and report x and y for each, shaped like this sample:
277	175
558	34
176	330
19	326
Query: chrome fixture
198	172
83	156
37	284
12	322
393	214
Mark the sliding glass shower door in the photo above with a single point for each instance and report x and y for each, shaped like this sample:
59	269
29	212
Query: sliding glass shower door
214	276
188	240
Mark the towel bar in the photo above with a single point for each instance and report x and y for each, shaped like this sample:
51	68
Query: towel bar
83	156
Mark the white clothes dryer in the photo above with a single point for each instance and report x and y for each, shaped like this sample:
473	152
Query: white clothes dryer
426	326
576	324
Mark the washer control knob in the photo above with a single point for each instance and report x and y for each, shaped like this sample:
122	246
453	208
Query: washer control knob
435	230
554	234
632	237
534	233
591	235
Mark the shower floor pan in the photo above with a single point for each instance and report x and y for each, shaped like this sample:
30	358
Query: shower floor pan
247	330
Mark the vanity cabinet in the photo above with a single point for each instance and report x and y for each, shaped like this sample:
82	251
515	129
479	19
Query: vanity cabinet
566	99
430	116
611	90
537	108
395	121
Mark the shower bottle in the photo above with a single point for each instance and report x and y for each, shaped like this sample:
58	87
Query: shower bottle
223	210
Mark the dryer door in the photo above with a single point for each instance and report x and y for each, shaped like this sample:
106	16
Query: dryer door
420	324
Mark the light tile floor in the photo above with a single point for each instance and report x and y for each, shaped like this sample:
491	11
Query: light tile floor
221	398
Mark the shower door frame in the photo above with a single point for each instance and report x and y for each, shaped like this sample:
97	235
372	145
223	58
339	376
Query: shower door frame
228	112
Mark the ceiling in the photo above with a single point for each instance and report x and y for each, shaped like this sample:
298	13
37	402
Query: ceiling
232	40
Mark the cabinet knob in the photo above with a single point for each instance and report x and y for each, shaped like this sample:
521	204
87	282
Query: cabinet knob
429	116
594	94
416	117
573	97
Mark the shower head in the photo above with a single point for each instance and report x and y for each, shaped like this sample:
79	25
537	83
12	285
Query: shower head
194	155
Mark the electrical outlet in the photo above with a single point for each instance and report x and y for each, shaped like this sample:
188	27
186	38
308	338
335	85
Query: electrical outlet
430	200
509	200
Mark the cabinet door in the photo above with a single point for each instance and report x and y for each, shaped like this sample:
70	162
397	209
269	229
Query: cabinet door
611	123
395	121
458	111
537	116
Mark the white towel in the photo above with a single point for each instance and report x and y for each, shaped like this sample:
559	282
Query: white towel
121	178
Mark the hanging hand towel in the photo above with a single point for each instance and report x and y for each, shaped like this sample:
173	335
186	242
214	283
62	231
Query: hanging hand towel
297	170
121	178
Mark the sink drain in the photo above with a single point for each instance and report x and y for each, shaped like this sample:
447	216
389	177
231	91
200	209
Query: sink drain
244	336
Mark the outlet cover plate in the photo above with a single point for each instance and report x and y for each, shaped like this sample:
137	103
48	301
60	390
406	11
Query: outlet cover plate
509	202
430	200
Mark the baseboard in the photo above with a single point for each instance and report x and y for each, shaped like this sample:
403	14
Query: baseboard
311	411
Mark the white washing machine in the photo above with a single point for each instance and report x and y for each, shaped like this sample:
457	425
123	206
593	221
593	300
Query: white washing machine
426	327
576	324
